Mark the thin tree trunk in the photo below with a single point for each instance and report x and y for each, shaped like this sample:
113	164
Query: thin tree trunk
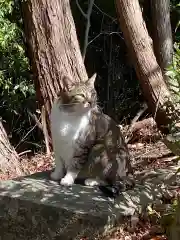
9	159
149	73
53	47
161	32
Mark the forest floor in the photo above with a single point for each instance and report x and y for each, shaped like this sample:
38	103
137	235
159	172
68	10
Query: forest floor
146	156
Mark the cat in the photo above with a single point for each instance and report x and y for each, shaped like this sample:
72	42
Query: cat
101	146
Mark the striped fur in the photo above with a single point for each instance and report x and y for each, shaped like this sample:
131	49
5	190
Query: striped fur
101	147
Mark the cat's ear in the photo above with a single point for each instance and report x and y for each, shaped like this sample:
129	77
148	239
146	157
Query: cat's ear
67	83
91	80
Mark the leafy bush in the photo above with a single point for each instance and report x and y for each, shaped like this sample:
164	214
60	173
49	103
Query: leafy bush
167	216
17	92
119	94
173	72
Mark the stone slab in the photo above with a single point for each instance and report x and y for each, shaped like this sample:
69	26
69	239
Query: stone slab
33	207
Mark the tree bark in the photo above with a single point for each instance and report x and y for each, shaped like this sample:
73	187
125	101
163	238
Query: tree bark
149	73
52	47
9	159
161	32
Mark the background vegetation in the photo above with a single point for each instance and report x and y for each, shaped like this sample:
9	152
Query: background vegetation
117	84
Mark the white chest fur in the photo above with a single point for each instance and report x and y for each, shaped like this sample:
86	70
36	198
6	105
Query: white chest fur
66	125
67	122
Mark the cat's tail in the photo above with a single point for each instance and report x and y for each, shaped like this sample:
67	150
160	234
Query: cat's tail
114	190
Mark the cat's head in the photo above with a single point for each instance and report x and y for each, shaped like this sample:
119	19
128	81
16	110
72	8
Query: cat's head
82	92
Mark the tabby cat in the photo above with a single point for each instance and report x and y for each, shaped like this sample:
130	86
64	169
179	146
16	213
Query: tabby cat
101	149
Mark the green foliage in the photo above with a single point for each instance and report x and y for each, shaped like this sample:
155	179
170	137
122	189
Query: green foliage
16	86
169	219
166	215
119	93
175	16
173	72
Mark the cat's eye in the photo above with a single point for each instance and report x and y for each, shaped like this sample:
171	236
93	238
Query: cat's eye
78	98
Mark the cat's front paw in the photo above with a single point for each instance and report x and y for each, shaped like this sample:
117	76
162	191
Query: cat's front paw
67	181
92	182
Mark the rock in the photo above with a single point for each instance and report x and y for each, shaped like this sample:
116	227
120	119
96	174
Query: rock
33	207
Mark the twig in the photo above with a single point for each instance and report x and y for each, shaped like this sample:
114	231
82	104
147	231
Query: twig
114	19
45	132
26	136
139	113
135	119
158	101
38	123
105	33
22	153
88	24
80	9
87	27
36	120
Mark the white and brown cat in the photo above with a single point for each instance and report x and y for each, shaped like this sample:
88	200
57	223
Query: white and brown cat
100	146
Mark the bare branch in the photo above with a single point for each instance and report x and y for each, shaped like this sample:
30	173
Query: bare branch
105	33
36	120
114	19
45	132
88	24
22	153
80	9
38	123
139	113
135	119
22	140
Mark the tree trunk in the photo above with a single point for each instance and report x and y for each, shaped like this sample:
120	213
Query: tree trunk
149	73
161	32
52	47
9	160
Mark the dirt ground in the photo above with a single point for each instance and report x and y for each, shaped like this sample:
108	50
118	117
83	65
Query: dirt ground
146	156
